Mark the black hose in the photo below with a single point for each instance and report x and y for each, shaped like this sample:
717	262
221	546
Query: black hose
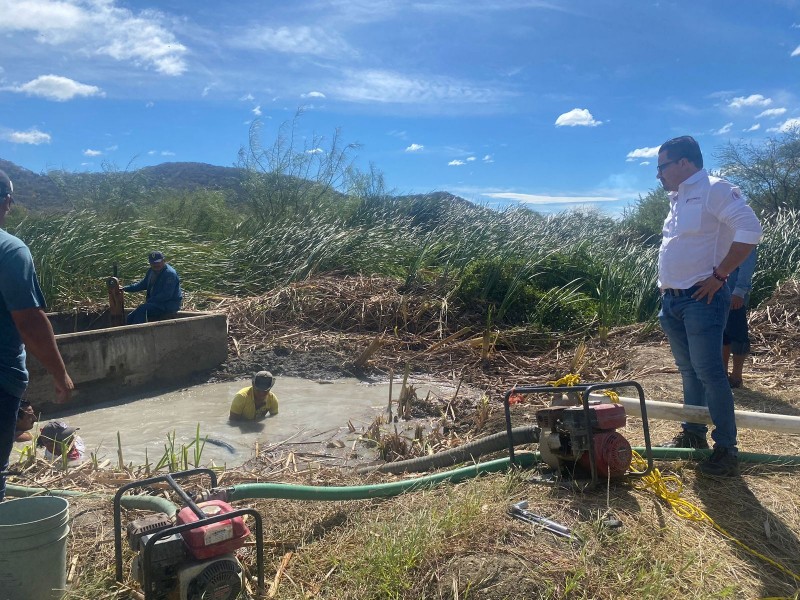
221	444
466	452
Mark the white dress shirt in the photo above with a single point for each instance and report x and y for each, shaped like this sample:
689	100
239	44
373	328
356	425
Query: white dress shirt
706	215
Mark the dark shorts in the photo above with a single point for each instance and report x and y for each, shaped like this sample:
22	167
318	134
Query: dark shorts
736	333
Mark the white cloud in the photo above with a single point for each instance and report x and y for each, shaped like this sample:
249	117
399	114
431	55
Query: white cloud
541	199
257	111
644	163
98	27
771	112
753	127
90	152
316	41
150	104
796	51
751	100
32	136
471	159
167	153
206	90
577	117
415	148
488	158
313	95
724	129
247	98
315	151
55	87
647	152
787	126
385	86
455	163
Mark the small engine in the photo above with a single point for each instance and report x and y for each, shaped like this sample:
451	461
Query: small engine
564	441
195	564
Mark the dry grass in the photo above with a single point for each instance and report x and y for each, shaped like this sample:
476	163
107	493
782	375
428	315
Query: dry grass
457	542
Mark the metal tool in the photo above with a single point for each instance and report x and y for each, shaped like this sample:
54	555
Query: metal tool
519	511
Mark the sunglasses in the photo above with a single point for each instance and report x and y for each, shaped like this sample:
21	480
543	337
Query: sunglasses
664	165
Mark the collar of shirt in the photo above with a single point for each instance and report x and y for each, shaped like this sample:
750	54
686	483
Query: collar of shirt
698	177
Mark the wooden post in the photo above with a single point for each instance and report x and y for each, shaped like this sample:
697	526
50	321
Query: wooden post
116	302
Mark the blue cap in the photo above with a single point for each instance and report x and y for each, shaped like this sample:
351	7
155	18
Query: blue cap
155	257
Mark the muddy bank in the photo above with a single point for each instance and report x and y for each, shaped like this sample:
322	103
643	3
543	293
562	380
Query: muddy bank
314	364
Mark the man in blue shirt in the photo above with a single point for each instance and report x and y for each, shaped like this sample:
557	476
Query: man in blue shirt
164	294
23	326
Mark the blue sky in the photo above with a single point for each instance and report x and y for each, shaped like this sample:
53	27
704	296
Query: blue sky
554	104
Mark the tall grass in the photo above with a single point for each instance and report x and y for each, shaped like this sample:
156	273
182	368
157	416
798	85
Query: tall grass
572	256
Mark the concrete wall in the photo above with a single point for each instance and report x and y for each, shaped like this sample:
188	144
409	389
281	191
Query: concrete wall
106	364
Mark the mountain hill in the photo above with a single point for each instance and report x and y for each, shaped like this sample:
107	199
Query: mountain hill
49	192
56	190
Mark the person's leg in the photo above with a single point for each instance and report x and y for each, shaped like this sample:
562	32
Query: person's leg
671	317
726	346
154	312
737	369
704	325
740	343
136	316
9	406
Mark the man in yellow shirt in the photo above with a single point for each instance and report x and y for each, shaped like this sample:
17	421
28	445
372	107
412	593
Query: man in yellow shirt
254	402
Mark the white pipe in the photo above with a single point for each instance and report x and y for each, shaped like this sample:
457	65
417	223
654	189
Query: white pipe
672	411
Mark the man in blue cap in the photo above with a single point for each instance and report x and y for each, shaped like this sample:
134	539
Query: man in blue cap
164	294
23	326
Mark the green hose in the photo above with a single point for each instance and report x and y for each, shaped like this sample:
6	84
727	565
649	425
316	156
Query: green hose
746	457
153	503
309	492
379	490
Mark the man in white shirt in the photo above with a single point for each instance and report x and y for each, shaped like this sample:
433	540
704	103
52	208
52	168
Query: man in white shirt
709	231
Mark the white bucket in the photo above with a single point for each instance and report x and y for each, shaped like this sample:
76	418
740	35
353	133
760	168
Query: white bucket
33	548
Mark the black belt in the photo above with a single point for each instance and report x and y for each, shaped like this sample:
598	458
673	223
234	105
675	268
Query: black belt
677	292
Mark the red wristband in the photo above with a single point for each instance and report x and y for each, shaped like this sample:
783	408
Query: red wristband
717	276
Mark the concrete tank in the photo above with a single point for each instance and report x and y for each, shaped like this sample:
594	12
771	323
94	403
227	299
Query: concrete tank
107	363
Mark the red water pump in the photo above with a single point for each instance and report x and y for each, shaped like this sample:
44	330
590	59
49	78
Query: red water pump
571	436
190	556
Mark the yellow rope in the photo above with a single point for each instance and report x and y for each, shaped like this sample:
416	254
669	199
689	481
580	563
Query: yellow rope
613	395
669	487
567	380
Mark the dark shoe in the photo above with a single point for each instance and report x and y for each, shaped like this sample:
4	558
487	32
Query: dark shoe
723	462
686	439
734	383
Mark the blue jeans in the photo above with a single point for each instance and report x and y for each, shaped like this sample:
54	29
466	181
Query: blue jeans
145	313
9	405
694	329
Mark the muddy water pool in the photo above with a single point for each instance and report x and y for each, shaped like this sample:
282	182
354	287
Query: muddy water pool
310	412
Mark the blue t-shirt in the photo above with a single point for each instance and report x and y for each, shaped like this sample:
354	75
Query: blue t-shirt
19	289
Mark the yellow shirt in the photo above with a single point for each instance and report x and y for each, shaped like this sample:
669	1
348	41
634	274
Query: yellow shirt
244	404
